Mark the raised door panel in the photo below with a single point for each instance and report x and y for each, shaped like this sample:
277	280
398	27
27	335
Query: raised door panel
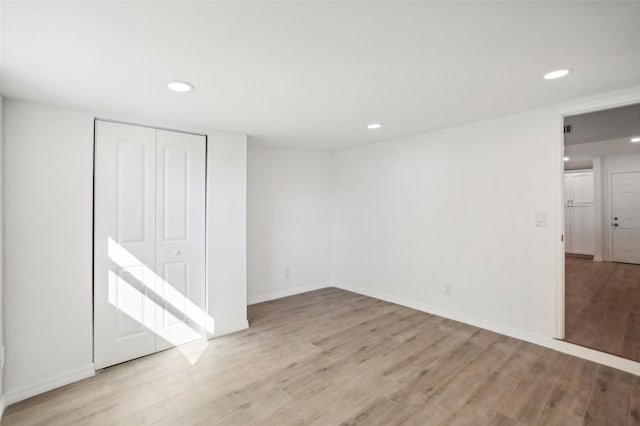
568	188
124	241
180	236
582	188
567	228
582	240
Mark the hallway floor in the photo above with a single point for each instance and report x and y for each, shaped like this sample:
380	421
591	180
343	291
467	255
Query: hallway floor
602	306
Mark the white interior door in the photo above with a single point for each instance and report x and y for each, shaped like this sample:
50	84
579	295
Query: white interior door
149	287
625	217
180	237
124	243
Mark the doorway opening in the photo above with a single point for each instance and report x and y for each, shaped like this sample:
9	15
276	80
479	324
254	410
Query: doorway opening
602	230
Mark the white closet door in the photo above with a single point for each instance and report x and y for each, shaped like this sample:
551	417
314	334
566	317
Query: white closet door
582	188
582	229
568	188
578	213
180	237
125	243
149	273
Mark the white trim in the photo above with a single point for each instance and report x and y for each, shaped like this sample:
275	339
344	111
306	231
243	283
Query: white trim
597	103
558	345
594	103
16	395
623	364
228	328
251	300
3	405
560	232
579	171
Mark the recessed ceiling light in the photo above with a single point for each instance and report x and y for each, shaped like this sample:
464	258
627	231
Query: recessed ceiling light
566	159
556	74
373	126
635	139
180	86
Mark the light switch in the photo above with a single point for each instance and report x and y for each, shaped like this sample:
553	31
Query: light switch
541	219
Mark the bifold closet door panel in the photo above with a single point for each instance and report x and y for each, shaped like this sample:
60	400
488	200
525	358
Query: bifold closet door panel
180	237
124	242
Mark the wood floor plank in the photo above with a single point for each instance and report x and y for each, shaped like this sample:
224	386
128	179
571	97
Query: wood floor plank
382	411
634	403
482	405
428	413
610	398
473	374
569	400
532	393
331	357
439	372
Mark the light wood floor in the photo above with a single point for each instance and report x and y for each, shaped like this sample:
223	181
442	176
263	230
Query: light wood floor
333	357
602	306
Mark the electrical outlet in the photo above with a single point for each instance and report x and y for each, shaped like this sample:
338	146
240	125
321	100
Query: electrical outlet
447	288
287	272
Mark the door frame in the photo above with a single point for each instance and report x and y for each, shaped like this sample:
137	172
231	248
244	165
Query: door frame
206	335
598	103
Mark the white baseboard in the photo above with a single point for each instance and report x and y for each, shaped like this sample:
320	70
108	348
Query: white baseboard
278	294
596	356
549	342
224	329
15	395
597	258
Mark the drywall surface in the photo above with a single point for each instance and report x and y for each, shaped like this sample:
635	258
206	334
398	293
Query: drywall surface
48	202
288	222
227	230
446	221
49	206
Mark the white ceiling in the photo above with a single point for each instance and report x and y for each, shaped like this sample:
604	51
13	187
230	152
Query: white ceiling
312	74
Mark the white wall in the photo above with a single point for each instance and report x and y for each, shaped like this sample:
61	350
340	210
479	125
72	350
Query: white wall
227	230
48	281
456	207
288	222
48	202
